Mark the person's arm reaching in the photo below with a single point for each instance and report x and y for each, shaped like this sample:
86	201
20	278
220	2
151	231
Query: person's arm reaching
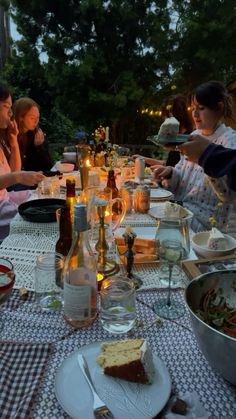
216	160
26	178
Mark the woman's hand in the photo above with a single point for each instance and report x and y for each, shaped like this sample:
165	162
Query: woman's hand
162	172
39	137
29	178
12	133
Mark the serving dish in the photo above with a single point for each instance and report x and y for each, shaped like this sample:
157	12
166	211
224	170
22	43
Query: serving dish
218	348
165	141
40	210
65	167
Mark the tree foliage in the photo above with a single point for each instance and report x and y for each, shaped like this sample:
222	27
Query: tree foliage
106	59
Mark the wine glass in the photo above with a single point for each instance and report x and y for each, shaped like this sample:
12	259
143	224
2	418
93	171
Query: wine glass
171	251
172	229
7	279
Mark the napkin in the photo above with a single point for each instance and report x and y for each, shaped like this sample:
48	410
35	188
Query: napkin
195	410
22	366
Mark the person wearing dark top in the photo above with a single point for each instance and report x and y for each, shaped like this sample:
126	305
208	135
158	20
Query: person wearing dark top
33	147
216	160
176	106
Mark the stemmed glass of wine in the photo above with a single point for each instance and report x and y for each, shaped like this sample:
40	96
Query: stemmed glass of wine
171	251
7	279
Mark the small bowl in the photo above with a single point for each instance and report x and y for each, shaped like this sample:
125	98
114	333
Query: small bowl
199	245
69	156
65	167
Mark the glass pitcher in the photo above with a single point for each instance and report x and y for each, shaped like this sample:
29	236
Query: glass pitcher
174	229
95	196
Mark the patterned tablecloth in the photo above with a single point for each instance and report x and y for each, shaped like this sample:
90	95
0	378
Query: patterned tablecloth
173	341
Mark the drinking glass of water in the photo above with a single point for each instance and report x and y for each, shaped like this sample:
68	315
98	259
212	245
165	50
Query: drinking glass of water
118	312
48	281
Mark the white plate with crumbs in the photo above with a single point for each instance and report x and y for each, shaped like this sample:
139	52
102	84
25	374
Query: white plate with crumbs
158	211
124	399
160	194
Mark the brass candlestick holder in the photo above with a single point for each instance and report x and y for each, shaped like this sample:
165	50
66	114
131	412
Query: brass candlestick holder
106	266
129	237
84	176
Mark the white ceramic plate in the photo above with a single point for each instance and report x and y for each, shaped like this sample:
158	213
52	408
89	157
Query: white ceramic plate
126	400
158	211
160	194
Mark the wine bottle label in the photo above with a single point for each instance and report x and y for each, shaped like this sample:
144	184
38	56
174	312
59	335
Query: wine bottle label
77	301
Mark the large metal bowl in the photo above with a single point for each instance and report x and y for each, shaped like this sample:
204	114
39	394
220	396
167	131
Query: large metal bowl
218	348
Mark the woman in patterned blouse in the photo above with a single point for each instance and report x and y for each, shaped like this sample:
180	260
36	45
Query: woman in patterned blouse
205	196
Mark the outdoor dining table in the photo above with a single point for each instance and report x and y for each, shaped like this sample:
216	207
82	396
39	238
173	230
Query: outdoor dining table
33	344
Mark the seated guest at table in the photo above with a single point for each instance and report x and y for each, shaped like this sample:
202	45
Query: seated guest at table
9	201
216	160
8	130
33	147
198	192
10	169
173	106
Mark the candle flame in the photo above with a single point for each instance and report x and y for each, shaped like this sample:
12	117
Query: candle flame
100	277
87	163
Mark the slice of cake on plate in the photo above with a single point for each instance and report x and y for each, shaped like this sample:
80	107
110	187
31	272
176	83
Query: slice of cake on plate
130	359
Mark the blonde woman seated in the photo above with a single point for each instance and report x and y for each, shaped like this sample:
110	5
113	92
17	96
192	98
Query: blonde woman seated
33	147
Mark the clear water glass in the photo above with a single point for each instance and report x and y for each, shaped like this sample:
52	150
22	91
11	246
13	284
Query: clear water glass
48	281
118	311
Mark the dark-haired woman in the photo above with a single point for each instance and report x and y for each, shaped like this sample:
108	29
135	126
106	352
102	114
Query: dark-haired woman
205	196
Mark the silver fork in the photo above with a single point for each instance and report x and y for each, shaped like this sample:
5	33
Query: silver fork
100	410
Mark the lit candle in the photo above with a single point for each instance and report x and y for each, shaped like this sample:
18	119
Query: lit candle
107	134
100	277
